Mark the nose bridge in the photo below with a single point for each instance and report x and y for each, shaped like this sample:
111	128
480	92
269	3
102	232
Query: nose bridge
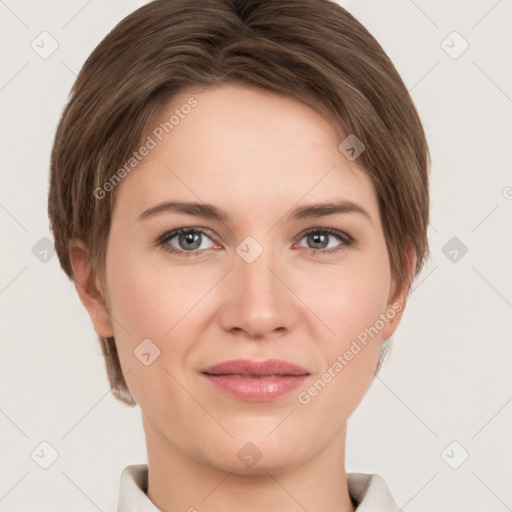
255	268
259	301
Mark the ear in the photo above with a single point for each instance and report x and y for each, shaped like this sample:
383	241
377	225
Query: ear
398	294
89	289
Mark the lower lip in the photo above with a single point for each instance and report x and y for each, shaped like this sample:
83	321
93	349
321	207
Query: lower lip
257	389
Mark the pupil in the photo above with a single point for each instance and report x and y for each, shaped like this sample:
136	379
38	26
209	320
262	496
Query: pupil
316	238
189	239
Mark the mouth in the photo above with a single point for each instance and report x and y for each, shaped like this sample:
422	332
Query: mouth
256	381
252	368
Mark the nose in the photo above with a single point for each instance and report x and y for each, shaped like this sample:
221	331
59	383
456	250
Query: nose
259	297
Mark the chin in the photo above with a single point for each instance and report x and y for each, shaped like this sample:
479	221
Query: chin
256	458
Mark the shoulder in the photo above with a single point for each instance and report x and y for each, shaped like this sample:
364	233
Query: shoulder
132	490
371	493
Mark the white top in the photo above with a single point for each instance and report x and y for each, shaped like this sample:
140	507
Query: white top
370	492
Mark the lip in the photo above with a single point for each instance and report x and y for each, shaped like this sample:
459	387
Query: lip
256	381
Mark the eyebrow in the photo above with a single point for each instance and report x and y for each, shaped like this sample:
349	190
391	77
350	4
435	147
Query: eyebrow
209	211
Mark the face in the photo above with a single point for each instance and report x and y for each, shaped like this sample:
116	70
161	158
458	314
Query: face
260	283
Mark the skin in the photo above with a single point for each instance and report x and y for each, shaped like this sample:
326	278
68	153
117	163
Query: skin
256	155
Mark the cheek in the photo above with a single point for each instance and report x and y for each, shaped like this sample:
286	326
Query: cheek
349	303
148	293
151	299
141	308
350	299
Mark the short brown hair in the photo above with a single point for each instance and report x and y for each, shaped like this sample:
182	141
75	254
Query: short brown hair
310	50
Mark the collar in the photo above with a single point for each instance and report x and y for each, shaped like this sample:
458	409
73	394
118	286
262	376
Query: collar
368	491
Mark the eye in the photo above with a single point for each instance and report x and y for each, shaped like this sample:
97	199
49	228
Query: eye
188	241
319	239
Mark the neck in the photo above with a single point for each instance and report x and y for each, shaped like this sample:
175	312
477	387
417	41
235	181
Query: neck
178	481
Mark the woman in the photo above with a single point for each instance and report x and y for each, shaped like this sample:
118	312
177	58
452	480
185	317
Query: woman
279	142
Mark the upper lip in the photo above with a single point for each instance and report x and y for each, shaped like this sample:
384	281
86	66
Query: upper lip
257	368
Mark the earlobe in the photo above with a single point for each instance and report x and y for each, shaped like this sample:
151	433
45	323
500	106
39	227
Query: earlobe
88	288
399	293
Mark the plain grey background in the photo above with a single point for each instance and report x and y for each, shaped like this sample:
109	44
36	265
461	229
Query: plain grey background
444	393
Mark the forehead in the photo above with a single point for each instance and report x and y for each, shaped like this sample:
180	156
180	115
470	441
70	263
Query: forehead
242	145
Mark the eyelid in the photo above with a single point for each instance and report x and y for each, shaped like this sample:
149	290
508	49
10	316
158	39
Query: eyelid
170	234
332	231
346	240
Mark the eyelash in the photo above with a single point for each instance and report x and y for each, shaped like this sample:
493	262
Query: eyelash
346	240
